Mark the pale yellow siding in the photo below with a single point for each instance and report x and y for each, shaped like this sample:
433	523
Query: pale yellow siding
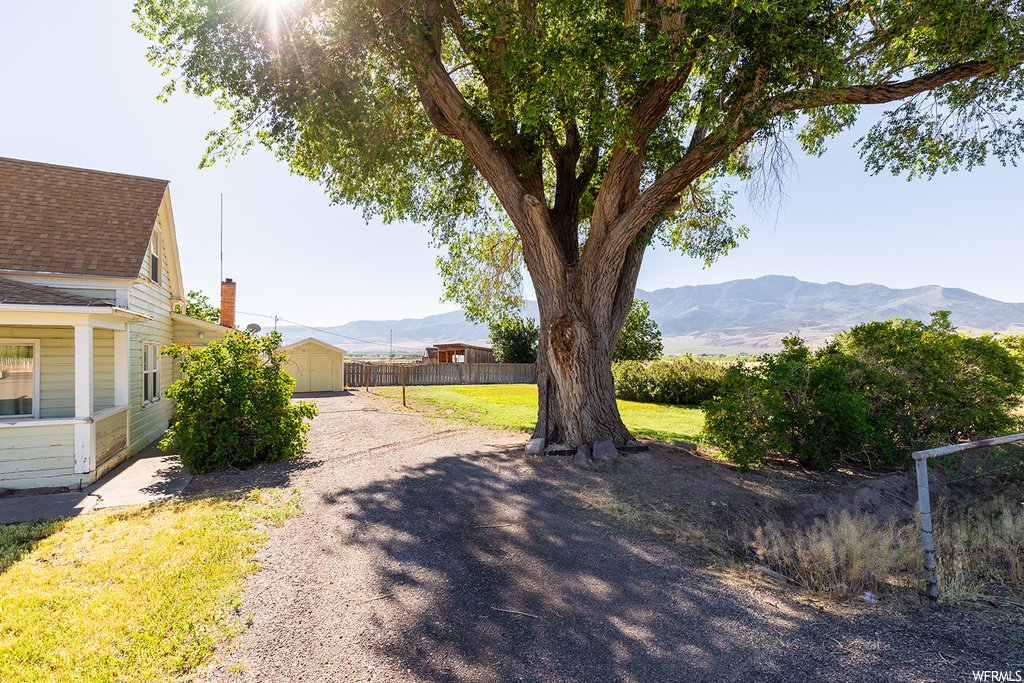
111	437
102	369
150	420
108	295
37	455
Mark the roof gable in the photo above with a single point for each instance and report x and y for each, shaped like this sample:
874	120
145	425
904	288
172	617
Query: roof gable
313	341
58	219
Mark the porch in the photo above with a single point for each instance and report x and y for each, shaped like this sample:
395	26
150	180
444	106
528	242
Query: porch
65	396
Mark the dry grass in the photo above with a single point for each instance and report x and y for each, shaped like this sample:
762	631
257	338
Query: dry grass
979	545
845	555
142	594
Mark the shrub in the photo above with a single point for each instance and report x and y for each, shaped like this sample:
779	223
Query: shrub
640	338
931	385
796	403
234	404
883	389
685	381
514	340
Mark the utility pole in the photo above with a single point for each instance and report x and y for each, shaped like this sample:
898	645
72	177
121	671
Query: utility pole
392	333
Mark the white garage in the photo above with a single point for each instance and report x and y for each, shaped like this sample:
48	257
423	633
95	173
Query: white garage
315	366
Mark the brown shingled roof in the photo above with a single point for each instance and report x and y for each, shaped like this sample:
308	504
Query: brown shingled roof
14	292
57	219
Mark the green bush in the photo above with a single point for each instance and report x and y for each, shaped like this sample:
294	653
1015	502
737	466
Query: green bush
796	403
882	389
932	385
234	404
640	338
684	381
514	340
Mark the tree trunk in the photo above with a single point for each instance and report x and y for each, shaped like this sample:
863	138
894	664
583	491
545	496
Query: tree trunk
580	320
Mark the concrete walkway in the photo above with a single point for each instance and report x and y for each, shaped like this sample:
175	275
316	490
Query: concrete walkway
148	477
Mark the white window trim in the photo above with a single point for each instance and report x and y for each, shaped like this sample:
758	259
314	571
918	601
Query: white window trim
156	249
34	343
146	346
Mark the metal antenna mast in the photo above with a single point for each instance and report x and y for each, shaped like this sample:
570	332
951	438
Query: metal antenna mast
222	237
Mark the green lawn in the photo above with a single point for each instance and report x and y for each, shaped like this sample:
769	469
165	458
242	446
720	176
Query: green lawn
142	594
514	406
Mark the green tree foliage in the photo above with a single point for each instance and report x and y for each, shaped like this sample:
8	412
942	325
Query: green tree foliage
681	381
570	136
640	338
198	306
881	390
233	404
514	340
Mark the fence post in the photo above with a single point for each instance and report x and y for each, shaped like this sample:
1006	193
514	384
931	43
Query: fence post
367	366
924	501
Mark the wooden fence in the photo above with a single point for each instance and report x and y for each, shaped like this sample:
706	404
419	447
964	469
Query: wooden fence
389	375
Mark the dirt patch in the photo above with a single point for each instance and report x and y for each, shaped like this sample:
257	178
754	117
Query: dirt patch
782	492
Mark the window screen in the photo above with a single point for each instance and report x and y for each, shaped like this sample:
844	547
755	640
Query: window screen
17	379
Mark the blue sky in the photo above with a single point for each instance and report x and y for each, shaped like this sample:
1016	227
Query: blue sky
78	91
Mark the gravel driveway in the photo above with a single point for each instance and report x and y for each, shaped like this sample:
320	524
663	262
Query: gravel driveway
429	551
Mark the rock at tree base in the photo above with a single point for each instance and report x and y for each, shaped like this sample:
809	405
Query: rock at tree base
535	446
582	458
605	450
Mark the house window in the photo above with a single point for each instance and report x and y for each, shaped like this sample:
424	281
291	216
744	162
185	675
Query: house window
19	378
150	373
154	258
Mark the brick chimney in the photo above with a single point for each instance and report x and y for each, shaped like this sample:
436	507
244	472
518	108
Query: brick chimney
227	303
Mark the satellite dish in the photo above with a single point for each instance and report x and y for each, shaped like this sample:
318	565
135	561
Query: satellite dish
253	327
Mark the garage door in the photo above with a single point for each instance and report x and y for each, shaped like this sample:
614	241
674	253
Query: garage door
321	372
298	368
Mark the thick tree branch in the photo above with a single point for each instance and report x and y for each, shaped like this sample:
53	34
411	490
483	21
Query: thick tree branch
882	93
730	135
449	111
621	181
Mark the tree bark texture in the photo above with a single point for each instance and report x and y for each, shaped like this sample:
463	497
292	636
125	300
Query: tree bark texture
582	306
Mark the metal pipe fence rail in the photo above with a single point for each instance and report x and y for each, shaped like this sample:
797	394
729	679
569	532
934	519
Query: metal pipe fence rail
424	374
924	501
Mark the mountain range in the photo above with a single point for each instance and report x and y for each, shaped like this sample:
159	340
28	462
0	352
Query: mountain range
735	317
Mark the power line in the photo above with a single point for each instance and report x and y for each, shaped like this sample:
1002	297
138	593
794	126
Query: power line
320	329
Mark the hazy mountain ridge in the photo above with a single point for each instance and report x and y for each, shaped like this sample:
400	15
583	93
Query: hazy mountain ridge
749	315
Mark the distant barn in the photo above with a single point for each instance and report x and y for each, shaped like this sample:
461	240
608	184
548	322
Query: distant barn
461	353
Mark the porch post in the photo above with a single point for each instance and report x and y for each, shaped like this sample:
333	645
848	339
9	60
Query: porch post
85	429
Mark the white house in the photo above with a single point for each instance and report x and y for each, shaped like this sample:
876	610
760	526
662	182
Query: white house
89	284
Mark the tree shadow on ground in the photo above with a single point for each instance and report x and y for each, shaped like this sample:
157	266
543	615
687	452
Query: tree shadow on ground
262	475
523	583
18	539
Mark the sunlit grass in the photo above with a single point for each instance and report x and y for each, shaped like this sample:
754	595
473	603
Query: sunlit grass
136	595
514	407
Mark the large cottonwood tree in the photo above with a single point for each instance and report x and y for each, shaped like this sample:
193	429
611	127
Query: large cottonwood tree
572	134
